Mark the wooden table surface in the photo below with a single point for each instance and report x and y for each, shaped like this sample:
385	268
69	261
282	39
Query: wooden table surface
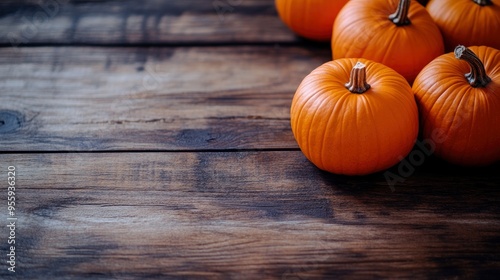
151	139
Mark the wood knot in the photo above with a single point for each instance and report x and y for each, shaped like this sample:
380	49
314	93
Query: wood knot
10	121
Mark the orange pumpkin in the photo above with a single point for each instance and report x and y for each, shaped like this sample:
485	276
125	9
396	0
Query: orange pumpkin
354	117
459	100
467	22
396	33
312	19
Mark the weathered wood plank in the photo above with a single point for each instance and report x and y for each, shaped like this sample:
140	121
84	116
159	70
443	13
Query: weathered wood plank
66	98
180	98
246	215
148	22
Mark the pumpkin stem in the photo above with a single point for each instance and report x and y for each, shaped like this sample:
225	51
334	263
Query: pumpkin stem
357	82
400	17
477	76
483	2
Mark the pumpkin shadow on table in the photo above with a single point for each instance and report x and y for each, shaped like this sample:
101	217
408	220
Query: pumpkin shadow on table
439	203
434	185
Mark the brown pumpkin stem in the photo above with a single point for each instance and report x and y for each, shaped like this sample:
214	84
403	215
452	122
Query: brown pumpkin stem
477	76
357	82
483	2
400	17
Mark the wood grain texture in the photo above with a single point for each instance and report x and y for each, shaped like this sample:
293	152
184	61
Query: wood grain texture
247	215
176	98
30	22
151	139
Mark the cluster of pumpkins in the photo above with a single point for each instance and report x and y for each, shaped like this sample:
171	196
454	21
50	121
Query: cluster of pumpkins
400	69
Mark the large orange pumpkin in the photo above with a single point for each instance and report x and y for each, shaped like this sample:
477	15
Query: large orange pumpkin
312	19
467	22
354	117
393	32
459	99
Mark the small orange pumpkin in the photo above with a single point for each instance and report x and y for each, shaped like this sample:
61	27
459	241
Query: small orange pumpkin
459	99
392	32
354	117
467	22
312	19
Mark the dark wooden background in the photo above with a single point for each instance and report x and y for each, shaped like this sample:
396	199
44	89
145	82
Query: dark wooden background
151	139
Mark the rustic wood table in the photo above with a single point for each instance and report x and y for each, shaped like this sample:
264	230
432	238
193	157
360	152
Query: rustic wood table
151	139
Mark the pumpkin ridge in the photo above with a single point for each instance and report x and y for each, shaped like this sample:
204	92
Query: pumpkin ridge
343	128
491	141
492	103
370	32
471	127
435	83
338	104
386	55
327	128
452	127
396	121
370	111
306	107
434	101
359	131
316	81
305	104
488	59
398	100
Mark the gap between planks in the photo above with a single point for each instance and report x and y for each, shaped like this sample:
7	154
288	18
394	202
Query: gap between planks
153	151
299	43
